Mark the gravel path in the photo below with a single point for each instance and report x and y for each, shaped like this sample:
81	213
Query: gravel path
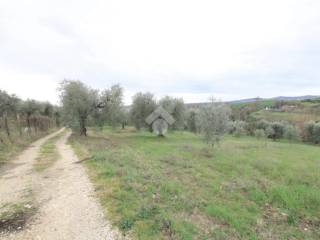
68	209
16	176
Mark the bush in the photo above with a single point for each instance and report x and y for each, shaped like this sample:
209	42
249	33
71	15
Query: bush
259	133
238	128
312	132
269	132
291	133
192	120
263	124
278	128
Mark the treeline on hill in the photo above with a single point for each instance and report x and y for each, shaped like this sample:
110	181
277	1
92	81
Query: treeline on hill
83	106
23	121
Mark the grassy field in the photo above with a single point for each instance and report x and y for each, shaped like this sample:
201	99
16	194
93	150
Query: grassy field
292	117
178	188
260	104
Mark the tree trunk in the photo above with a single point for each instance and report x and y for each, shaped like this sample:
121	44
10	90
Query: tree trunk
83	129
28	122
6	125
19	124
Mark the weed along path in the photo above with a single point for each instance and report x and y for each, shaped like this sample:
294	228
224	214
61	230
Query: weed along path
66	207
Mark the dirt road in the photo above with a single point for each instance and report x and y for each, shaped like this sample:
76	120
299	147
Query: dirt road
67	208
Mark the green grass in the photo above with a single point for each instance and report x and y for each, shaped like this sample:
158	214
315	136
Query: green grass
178	188
48	154
260	104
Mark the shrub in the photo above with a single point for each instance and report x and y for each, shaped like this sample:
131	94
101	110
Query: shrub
259	133
238	128
312	132
278	129
192	120
291	133
263	124
269	132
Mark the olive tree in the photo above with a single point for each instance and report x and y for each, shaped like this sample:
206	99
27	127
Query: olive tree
259	133
192	116
177	109
7	107
29	108
78	102
312	132
238	128
291	132
213	121
278	128
112	100
142	106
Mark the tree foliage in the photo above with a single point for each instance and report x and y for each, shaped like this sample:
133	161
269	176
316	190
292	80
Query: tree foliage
78	102
291	133
16	114
192	116
213	121
177	109
113	110
82	105
143	105
312	132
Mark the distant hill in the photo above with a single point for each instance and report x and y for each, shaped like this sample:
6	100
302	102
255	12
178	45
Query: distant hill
249	100
296	98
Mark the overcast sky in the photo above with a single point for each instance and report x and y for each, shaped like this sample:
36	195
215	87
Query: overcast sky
196	49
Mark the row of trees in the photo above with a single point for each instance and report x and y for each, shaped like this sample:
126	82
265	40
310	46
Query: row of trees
25	117
310	132
210	120
83	106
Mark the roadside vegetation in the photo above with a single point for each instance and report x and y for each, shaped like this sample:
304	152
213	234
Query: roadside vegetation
14	216
179	188
22	122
